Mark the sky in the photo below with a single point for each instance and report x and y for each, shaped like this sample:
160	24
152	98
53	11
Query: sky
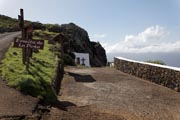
136	29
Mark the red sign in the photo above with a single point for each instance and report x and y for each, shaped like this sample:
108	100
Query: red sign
33	44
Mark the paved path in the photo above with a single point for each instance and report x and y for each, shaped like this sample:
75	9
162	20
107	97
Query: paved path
12	102
111	92
5	41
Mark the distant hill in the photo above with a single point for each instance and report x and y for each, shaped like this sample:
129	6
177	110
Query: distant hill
8	24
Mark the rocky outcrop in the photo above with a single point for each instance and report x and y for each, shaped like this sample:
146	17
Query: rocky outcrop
77	40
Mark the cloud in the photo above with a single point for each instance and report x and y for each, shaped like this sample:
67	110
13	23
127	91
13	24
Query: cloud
152	39
149	35
99	35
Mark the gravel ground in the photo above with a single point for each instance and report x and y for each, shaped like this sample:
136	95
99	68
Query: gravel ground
108	94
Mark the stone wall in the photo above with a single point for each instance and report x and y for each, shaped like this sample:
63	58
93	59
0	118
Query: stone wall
160	74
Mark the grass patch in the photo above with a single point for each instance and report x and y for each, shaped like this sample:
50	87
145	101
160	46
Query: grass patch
44	34
36	82
156	62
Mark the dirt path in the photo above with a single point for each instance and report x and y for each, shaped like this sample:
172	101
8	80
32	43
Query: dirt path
108	94
12	102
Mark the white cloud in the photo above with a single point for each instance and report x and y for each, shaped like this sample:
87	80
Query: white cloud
99	35
150	34
152	39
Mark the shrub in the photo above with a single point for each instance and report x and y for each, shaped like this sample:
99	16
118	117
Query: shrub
55	28
68	60
72	55
156	62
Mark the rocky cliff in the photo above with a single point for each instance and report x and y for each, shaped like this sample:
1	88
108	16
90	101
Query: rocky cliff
77	40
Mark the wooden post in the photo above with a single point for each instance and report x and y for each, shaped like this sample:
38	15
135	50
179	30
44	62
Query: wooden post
26	49
27	59
59	67
22	22
21	17
62	55
28	53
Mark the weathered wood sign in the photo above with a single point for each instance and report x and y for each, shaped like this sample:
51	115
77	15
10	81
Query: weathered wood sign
26	42
32	44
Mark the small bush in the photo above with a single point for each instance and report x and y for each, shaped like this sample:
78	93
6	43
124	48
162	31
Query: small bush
72	55
55	28
68	60
36	33
156	62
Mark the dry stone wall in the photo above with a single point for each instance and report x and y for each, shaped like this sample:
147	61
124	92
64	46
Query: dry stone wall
162	75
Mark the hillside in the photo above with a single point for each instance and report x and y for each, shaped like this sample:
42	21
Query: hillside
77	38
8	24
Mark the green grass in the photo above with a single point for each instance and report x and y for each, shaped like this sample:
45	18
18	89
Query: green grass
36	82
45	34
156	62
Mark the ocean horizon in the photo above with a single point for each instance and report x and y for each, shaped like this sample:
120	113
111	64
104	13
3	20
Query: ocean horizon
170	59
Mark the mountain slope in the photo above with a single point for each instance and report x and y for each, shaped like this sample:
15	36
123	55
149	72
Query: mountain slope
8	24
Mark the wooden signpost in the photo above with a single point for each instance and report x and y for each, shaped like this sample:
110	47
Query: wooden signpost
21	25
31	44
26	42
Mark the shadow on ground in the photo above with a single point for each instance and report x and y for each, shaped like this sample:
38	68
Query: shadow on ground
82	78
63	105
